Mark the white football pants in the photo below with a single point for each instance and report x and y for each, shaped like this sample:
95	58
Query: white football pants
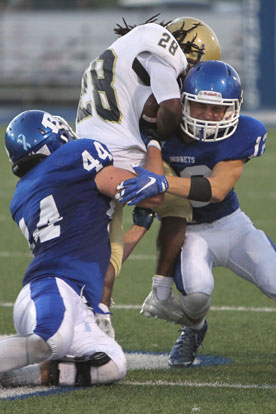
232	242
51	309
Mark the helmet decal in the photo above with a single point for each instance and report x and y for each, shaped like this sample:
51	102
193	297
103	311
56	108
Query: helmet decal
35	134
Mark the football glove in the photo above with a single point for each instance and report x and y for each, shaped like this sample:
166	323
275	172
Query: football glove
145	185
103	320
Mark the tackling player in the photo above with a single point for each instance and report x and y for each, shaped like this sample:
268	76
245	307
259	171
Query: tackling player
209	152
147	59
63	205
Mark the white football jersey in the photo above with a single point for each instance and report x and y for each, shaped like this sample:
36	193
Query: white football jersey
113	96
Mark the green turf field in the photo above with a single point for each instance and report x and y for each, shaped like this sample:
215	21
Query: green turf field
241	323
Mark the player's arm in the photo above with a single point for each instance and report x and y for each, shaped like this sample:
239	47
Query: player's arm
214	188
198	188
168	117
108	179
167	94
154	162
223	178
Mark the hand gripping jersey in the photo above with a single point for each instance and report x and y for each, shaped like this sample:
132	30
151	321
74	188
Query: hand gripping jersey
113	96
199	158
65	218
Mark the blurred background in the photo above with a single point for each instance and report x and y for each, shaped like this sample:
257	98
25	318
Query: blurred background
45	45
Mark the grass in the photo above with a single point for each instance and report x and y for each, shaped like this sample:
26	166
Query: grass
246	337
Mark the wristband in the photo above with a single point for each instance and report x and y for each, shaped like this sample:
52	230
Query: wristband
148	119
200	189
154	143
143	217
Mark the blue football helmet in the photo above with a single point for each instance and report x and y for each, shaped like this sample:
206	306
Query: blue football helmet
34	135
216	83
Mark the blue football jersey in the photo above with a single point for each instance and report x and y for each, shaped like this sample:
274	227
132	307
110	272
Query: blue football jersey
65	218
199	158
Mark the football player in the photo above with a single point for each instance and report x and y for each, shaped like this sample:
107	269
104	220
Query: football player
63	205
209	153
147	59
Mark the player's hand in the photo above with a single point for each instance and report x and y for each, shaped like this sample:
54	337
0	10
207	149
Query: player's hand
149	134
103	320
145	185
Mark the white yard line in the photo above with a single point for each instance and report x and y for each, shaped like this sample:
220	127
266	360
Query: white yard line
200	384
213	308
23	392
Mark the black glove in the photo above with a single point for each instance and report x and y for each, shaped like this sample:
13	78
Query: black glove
143	217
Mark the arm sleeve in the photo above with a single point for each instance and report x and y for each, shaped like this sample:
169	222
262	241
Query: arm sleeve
163	79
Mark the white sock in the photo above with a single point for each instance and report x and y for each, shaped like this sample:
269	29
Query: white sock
163	285
199	325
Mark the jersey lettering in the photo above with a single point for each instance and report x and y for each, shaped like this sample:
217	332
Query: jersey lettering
259	146
46	228
166	42
90	163
85	105
101	76
49	122
49	216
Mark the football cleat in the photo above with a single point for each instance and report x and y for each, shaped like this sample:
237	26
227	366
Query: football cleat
183	353
168	309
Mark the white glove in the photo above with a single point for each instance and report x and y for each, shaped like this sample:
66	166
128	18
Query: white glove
104	321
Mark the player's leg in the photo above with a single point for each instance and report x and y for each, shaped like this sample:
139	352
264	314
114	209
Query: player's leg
116	235
173	213
44	315
194	280
93	358
253	255
122	159
98	358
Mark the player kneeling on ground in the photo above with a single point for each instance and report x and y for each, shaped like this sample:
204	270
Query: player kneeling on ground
63	205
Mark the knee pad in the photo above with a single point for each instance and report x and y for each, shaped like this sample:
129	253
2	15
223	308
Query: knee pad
107	374
116	235
195	305
98	368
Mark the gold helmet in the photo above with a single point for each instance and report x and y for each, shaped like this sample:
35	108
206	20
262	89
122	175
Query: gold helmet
197	40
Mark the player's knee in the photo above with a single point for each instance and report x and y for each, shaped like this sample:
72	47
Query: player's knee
108	373
265	277
37	349
98	368
195	305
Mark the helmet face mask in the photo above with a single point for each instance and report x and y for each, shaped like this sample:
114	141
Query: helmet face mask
211	83
197	40
33	135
